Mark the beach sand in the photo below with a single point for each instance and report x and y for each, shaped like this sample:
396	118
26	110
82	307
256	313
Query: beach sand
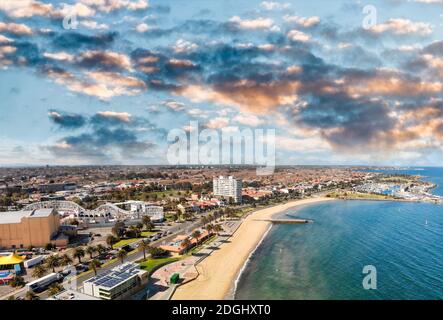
219	271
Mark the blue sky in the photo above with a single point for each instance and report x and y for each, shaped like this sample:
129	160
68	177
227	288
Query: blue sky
109	91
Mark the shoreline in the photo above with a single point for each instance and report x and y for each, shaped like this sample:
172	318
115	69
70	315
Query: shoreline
218	272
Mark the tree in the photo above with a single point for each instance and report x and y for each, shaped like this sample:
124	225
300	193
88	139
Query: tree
210	228
218	228
91	250
30	295
186	243
196	235
65	260
204	220
101	249
11	297
157	252
55	288
79	253
144	246
111	240
38	271
17	281
52	262
121	254
94	265
119	229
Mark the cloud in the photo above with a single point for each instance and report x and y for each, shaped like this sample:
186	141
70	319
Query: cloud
112	5
75	40
248	119
255	24
217	123
66	120
272	5
15	28
103	85
107	136
104	60
142	27
112	116
402	27
306	22
59	56
296	35
25	8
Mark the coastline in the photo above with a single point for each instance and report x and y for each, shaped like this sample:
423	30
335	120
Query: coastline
219	271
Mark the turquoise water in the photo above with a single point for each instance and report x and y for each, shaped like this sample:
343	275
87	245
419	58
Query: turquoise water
325	259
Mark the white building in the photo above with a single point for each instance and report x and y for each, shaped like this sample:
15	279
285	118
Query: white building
228	187
141	208
117	283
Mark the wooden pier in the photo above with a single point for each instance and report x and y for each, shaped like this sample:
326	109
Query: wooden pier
287	221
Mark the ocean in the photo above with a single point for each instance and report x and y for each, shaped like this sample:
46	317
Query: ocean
325	259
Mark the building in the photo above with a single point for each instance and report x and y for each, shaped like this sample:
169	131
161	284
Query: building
117	283
72	295
228	187
176	247
140	208
22	229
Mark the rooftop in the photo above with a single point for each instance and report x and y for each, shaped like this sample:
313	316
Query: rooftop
16	216
115	276
72	295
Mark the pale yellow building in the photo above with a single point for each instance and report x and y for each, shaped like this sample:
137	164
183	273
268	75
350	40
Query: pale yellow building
22	229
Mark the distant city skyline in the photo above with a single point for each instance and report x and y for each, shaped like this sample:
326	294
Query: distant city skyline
110	90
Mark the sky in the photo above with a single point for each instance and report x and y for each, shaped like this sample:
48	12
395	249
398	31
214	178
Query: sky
105	81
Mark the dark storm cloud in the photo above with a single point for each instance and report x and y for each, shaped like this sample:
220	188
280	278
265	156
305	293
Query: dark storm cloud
106	132
357	121
25	54
75	40
435	48
66	120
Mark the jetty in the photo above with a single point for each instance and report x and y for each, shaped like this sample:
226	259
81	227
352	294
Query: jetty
287	221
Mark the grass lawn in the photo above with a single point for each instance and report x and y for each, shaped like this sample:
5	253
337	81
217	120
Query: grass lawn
151	264
148	233
124	242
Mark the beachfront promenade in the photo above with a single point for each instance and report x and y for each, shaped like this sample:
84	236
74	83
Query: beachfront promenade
159	287
218	271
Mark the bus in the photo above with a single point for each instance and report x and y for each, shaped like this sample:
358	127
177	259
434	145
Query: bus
43	283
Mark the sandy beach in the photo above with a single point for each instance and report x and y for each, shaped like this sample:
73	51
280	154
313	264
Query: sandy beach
219	271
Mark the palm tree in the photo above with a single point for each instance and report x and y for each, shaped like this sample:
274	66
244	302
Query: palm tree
54	289
52	262
186	243
38	271
91	250
196	235
94	265
218	228
30	295
65	260
209	228
101	249
146	220
79	253
111	240
122	255
144	246
17	281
